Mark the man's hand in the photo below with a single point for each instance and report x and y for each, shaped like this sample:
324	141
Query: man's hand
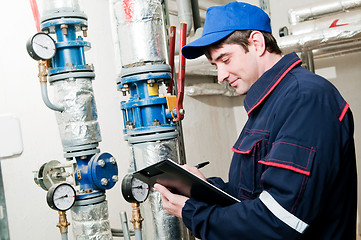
195	171
173	203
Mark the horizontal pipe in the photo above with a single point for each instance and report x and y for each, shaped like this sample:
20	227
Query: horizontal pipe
317	10
320	39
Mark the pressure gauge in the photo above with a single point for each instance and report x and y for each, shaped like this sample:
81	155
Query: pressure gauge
61	197
41	46
134	190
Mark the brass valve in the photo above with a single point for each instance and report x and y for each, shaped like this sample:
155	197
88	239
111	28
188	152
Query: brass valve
136	217
63	223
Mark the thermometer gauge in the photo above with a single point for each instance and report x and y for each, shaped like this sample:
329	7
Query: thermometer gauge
41	46
134	190
61	197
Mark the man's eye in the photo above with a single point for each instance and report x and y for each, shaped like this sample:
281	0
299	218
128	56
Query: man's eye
225	60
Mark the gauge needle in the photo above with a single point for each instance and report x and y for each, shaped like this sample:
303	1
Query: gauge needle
41	45
65	196
140	186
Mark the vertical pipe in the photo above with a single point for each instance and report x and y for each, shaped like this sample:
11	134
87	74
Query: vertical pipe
125	228
171	56
34	8
196	15
181	72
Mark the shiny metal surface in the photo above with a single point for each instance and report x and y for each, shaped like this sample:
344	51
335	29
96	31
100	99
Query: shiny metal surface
140	31
78	123
319	9
91	222
320	39
158	224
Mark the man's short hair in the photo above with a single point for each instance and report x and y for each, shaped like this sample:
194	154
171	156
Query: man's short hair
241	37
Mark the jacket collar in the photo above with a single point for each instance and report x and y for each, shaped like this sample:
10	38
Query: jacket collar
269	80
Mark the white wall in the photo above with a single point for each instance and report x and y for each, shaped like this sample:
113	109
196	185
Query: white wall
211	124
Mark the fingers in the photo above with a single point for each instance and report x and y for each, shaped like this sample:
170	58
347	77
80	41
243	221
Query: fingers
195	171
172	203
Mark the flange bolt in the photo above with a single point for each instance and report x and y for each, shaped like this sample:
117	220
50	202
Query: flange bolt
104	181
101	163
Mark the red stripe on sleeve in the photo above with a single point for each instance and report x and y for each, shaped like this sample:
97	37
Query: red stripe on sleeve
343	112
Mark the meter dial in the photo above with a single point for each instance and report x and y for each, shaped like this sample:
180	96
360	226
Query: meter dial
41	46
134	190
61	196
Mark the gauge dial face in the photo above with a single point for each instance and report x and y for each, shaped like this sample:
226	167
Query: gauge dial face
61	197
41	46
140	190
134	190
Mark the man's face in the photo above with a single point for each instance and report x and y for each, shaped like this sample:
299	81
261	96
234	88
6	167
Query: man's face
234	65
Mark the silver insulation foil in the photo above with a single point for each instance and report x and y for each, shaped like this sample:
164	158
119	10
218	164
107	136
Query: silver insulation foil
335	20
78	123
158	224
91	222
319	9
320	39
140	31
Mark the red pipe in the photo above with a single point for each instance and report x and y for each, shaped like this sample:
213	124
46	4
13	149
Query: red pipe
34	8
181	72
171	57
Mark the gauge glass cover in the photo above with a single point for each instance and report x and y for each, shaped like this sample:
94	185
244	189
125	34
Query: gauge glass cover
140	190
63	197
43	46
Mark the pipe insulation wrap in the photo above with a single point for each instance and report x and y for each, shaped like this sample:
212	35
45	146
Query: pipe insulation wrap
91	222
158	224
320	39
51	5
333	21
319	9
78	123
140	31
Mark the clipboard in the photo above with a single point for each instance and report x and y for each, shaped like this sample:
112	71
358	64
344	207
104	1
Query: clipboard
181	181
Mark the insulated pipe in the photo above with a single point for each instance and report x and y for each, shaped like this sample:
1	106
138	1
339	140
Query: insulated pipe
317	10
185	13
333	21
320	39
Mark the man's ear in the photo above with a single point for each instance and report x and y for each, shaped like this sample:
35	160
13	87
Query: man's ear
257	39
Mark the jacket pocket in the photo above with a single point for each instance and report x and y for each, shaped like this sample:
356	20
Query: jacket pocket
291	156
245	171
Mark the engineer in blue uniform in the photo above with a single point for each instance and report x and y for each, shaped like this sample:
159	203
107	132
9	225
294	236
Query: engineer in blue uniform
294	166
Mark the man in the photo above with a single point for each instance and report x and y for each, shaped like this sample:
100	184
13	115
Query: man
294	166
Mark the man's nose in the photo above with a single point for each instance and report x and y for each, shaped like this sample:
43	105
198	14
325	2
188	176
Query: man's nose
222	75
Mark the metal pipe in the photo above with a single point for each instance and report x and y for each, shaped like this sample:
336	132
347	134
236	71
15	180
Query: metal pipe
45	97
171	57
124	220
185	13
138	234
317	10
196	14
35	10
320	39
333	21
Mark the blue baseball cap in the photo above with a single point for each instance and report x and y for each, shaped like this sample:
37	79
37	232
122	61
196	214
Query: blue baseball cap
221	21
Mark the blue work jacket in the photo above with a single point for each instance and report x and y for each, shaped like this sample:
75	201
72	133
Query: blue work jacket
293	167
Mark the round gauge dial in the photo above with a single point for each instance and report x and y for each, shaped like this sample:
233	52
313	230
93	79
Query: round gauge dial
61	197
134	190
41	47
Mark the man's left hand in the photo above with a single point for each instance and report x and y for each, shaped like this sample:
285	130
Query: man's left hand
171	202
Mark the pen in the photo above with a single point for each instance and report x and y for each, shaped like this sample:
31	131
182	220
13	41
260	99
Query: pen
200	165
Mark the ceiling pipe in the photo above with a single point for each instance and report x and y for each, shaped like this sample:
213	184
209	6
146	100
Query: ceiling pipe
317	10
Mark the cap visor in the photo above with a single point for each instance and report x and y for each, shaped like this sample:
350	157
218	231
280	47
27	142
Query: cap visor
195	49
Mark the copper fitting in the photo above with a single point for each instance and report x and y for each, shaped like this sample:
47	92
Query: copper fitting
64	27
136	217
63	223
42	71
